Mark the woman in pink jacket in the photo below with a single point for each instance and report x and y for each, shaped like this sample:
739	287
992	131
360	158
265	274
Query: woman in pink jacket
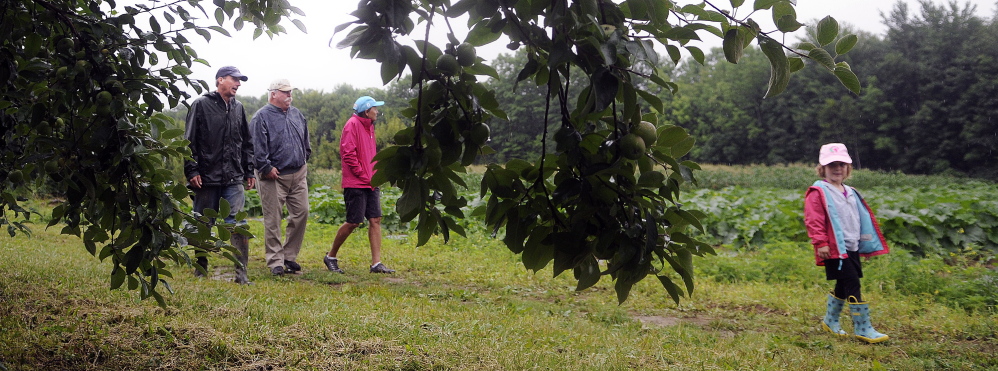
842	228
363	201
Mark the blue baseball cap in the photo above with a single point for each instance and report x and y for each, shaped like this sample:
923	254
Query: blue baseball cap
365	103
230	71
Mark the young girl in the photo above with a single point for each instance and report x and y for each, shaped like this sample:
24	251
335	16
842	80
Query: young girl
842	228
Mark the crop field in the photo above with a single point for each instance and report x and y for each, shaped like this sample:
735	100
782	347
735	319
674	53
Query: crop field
470	304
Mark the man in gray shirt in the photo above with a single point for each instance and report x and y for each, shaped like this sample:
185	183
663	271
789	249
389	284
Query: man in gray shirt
281	148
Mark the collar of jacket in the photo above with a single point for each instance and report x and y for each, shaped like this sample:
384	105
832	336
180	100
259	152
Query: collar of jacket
272	107
218	98
364	120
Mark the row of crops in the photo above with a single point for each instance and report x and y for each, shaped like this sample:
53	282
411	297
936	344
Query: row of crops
923	220
924	217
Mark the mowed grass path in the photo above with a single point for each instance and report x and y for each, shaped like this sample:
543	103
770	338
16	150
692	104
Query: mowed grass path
468	304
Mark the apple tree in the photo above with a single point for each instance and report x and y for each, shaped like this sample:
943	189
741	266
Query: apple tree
611	189
82	87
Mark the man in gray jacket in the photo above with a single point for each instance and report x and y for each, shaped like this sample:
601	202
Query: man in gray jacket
221	151
281	148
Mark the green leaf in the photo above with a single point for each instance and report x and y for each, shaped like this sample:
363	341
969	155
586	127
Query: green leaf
806	46
32	44
587	273
737	3
133	258
779	66
787	24
219	16
845	44
795	64
154	25
537	255
696	53
733	45
652	100
425	228
782	9
481	34
681	34
674	291
606	85
389	70
764	4
117	277
411	202
822	57
181	70
673	53
300	25
683	147
220	30
223	208
848	79
204	33
671	135
828	30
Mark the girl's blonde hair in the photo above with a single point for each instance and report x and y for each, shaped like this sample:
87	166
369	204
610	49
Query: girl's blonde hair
820	169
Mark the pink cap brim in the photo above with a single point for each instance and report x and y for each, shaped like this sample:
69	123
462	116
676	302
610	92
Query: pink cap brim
825	160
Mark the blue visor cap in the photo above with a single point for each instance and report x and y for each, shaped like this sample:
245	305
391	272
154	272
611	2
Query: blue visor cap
365	103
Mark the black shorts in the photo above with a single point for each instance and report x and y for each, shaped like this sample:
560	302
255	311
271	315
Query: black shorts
850	267
361	204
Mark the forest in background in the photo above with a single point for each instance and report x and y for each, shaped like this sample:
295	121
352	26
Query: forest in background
929	103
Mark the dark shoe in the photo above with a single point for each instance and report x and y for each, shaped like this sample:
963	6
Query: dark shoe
381	268
331	264
277	271
291	267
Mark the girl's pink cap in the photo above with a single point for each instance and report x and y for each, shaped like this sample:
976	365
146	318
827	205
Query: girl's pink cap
832	152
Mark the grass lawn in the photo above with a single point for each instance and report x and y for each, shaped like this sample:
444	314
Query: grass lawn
468	304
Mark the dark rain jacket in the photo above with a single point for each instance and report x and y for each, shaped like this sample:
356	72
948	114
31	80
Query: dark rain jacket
221	145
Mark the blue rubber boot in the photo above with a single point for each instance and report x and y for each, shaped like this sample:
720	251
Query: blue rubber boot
861	322
832	312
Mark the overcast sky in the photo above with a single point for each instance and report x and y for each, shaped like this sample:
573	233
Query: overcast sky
309	61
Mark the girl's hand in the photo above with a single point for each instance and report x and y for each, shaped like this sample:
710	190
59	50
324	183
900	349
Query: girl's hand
823	253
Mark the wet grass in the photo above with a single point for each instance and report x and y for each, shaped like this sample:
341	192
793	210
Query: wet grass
468	304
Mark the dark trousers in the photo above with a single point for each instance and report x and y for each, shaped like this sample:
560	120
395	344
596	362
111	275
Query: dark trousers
846	274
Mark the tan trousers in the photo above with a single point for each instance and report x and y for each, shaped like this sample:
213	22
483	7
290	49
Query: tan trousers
289	190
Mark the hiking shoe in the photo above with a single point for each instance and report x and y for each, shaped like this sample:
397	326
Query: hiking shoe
381	268
291	267
277	271
331	264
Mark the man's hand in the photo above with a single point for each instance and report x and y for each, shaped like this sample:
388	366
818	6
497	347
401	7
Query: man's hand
273	174
250	183
823	253
195	181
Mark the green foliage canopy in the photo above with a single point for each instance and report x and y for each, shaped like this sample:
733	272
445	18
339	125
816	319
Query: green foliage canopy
584	202
82	90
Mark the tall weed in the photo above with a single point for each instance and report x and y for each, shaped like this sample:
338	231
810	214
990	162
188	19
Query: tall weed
950	279
954	280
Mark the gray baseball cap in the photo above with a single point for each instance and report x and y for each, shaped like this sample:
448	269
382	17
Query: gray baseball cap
230	71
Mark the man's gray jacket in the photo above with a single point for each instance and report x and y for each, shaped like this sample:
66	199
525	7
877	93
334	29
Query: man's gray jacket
280	139
221	146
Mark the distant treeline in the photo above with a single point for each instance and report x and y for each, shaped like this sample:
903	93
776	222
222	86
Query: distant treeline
929	103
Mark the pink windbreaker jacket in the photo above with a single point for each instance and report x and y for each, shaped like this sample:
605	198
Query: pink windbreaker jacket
823	231
357	150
